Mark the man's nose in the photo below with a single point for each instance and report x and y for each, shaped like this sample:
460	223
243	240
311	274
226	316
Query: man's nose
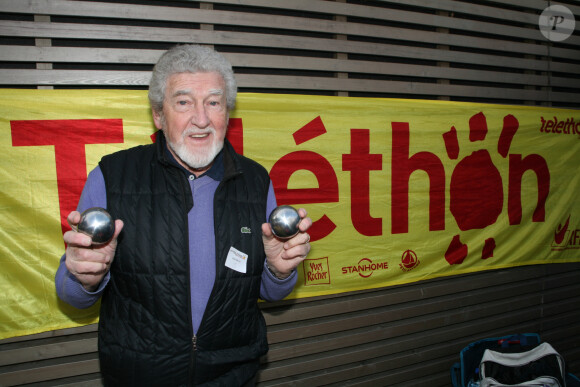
199	117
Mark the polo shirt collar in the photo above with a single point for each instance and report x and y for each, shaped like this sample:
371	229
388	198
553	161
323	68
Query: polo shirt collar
216	171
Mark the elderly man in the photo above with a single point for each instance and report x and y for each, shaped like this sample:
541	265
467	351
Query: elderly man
178	305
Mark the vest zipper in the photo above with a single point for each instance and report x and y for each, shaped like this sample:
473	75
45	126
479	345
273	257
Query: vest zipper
193	360
188	196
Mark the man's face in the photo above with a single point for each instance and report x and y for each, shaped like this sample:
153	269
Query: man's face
194	118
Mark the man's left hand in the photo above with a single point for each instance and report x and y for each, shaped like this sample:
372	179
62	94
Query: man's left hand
284	255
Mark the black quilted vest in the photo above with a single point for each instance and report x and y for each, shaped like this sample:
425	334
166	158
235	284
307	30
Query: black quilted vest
145	330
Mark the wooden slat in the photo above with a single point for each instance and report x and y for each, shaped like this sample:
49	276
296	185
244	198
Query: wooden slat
500	14
40	372
63	7
90	78
420	322
396	15
91	328
495	9
86	78
78	55
173	36
398	347
538	5
453	330
398	87
93	9
134	56
341	315
43	351
311	309
358	353
377	330
393	378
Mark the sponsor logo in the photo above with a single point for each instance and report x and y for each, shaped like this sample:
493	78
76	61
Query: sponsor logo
409	261
560	126
246	230
561	232
316	271
566	238
365	267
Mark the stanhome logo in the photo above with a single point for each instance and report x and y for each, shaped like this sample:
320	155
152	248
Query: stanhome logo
365	267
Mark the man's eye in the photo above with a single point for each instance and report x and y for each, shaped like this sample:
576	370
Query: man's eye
182	103
214	103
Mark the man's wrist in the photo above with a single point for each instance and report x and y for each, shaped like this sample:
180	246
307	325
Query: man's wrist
277	274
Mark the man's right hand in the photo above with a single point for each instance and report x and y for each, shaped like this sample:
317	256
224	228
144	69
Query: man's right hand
86	262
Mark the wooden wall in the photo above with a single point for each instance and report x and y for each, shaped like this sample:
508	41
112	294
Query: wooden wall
404	336
480	51
488	51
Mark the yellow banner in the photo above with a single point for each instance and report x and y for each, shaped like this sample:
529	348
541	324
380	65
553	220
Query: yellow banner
399	190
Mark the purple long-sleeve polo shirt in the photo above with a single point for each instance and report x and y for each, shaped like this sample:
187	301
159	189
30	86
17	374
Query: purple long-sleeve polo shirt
201	245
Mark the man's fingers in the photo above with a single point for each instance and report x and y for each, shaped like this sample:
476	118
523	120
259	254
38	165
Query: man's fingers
75	238
86	261
305	222
267	231
89	268
118	227
90	255
301	238
297	248
73	218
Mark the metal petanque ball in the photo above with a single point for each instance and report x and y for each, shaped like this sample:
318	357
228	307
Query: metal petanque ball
284	222
97	223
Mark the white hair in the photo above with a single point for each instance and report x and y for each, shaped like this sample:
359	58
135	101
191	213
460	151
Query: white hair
190	58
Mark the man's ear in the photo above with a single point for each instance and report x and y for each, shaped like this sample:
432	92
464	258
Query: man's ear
157	118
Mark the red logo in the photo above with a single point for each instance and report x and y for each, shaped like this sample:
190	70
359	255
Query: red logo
365	267
409	261
566	238
560	232
316	271
560	126
477	188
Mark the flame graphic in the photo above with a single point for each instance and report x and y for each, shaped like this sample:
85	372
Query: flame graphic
561	232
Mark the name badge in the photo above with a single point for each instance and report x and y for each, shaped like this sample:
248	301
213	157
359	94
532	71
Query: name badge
236	260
